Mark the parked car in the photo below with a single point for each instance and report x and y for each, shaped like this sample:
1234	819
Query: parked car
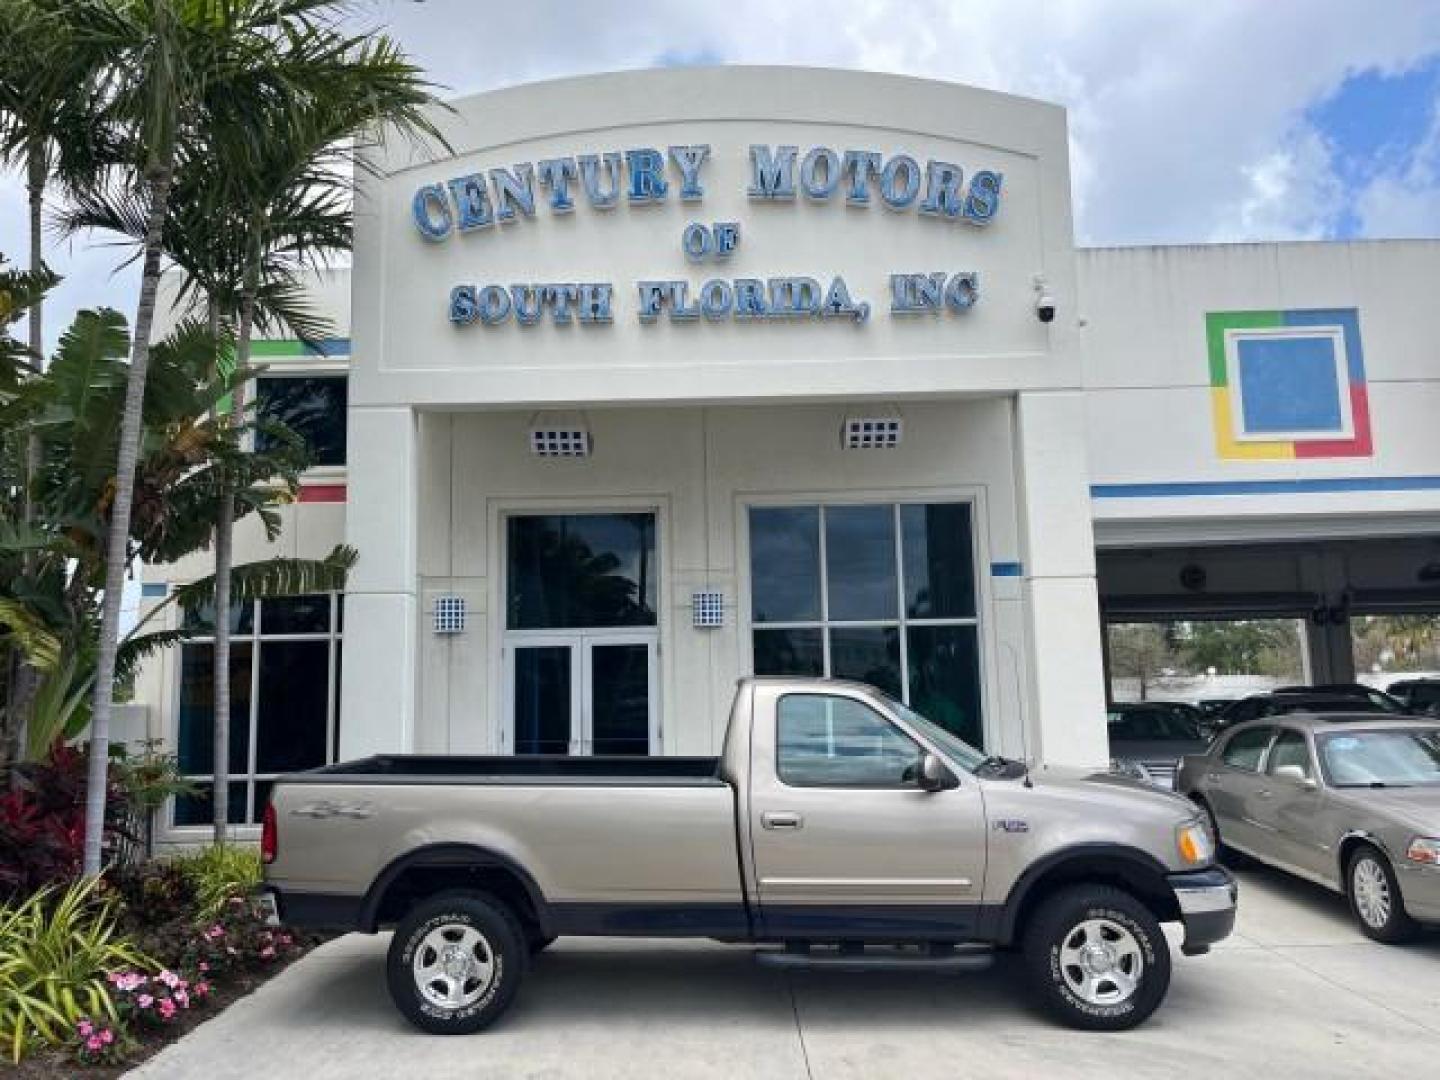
835	824
1419	696
1379	699
1349	800
1294	700
1155	735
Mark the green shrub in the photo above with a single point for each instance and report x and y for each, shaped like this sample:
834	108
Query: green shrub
55	950
219	873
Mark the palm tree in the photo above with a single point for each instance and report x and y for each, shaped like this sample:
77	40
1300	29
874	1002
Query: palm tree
176	72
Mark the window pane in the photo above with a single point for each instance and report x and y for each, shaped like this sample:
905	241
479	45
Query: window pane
201	623
1289	749
542	699
581	570
860	562
296	615
620	703
826	741
290	723
196	740
1245	749
789	652
867	654
945	678
199	809
313	406
939	562
785	564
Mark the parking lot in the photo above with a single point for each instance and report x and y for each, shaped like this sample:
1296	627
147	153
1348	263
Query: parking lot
1295	992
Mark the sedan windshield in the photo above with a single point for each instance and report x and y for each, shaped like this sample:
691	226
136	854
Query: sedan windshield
1397	758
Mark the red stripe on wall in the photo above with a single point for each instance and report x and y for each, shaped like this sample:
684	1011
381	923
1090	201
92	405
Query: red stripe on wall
322	493
1360	446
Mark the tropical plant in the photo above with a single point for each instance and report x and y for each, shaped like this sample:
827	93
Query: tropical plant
56	947
220	873
148	776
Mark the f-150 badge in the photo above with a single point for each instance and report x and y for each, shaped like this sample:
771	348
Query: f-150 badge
1011	825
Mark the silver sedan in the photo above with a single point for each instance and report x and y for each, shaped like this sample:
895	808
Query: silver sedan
1351	801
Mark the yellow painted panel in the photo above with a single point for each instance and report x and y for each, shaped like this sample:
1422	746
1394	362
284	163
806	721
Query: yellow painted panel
1225	444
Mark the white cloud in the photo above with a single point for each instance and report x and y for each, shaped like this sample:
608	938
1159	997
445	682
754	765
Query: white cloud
1406	202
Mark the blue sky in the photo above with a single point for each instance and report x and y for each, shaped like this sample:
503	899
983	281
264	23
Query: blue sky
1229	120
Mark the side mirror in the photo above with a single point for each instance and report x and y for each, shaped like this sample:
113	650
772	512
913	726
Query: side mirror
1295	775
931	774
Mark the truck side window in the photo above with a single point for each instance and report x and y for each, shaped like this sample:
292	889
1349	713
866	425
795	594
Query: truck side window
829	741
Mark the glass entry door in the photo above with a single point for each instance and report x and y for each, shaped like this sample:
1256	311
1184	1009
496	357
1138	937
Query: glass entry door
581	633
582	694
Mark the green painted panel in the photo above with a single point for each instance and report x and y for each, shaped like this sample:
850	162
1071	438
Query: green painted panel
1217	322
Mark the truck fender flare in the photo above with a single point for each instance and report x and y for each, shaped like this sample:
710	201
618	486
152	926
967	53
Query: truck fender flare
1133	864
448	854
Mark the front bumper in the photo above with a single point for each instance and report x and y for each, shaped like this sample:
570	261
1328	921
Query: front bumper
1207	901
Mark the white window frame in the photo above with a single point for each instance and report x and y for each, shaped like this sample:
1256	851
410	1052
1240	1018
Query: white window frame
256	639
1333	334
974	496
501	661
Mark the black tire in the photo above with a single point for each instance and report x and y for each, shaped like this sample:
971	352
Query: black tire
1059	926
1396	927
501	944
538	943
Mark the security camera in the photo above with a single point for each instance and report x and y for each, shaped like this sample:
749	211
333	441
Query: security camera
1044	302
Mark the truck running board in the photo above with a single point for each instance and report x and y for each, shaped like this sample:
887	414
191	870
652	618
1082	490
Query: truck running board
937	958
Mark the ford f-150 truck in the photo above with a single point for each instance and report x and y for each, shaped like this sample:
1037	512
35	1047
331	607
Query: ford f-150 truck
837	828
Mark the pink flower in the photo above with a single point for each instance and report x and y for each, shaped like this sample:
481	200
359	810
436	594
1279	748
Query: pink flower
144	1001
204	966
202	988
93	1044
167	1008
183	998
267	953
85	1028
107	1036
169	978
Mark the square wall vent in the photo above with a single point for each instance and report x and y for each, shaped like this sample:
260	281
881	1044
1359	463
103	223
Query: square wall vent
449	615
872	432
707	608
560	442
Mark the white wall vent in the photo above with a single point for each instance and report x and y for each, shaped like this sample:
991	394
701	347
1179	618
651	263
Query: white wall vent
564	435
449	617
707	608
872	432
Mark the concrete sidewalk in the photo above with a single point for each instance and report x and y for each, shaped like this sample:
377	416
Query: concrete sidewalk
1297	992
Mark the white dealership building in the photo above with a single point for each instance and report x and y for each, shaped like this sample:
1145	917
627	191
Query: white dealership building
659	379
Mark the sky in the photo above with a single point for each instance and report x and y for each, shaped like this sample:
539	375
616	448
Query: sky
1227	120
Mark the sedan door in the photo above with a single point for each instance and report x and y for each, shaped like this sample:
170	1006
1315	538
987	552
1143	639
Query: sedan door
1232	782
1287	812
844	841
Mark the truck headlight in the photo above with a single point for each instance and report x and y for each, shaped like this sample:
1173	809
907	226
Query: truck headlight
1424	849
1193	842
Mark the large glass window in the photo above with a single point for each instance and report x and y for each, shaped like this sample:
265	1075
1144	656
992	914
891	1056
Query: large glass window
284	700
572	571
311	405
882	593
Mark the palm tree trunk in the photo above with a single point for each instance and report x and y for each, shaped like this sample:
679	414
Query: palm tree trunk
224	562
117	549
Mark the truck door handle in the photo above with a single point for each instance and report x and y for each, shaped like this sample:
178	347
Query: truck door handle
1265	793
781	820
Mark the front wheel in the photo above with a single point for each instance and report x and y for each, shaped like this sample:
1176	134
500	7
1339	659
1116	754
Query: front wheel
455	963
1375	898
1096	958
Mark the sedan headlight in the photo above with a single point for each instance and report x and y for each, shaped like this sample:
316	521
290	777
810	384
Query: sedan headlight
1424	849
1193	842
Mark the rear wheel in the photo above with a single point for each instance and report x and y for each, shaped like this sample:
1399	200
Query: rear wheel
456	962
1375	898
1096	958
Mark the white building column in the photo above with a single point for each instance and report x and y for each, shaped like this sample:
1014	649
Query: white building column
1067	716
377	693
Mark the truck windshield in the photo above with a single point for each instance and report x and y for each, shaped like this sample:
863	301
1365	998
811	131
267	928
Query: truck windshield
955	748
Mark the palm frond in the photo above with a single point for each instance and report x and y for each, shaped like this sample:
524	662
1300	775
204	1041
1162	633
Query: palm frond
28	632
271	578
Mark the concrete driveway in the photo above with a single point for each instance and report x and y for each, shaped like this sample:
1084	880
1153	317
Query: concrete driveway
1296	992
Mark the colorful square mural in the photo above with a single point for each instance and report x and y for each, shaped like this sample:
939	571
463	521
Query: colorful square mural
1288	384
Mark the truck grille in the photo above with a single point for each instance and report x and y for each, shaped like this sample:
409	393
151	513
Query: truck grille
1162	772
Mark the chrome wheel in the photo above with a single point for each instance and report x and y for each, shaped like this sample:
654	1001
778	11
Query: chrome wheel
1371	889
453	966
1101	962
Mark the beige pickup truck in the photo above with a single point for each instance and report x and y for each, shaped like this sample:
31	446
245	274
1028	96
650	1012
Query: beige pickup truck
837	829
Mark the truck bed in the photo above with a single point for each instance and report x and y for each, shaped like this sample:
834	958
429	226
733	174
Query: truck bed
559	770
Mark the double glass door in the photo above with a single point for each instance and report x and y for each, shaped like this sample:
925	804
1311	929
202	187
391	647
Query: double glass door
581	634
583	694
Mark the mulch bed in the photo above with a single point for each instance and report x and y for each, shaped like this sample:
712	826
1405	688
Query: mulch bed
53	1064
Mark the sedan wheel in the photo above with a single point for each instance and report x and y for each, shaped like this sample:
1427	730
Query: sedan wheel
1375	898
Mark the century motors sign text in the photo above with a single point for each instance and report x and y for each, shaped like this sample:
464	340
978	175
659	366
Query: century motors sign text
478	201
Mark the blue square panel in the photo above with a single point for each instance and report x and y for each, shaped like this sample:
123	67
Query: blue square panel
1289	384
